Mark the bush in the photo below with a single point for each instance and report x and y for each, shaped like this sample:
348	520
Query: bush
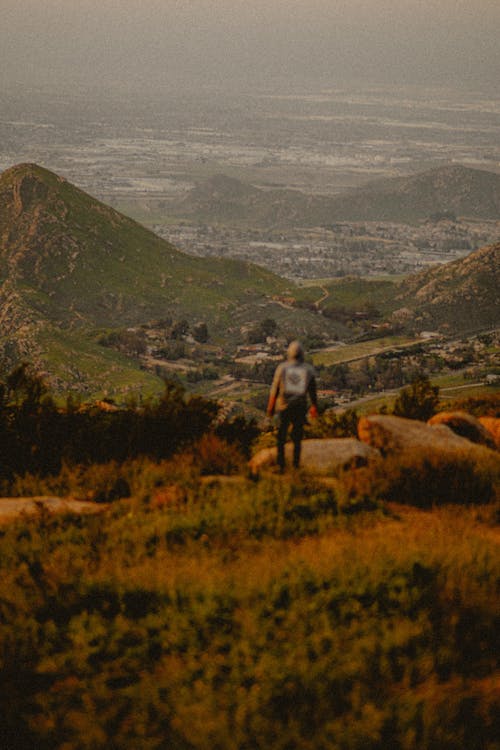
427	480
248	618
212	455
478	406
36	437
338	424
418	400
239	431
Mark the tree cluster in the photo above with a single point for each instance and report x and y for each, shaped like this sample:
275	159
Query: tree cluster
261	331
37	435
418	400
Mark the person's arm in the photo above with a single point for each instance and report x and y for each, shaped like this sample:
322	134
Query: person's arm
273	393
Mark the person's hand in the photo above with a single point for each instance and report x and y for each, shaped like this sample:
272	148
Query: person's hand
271	407
313	412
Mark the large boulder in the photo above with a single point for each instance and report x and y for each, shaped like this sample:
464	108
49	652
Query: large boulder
465	425
13	507
429	464
391	435
322	456
492	424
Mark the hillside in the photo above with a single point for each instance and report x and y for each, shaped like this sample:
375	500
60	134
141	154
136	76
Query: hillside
462	191
227	200
456	189
456	297
70	264
78	261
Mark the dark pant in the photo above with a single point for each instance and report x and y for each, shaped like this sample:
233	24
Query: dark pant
294	415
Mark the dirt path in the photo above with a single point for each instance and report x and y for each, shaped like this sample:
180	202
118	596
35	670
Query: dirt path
324	296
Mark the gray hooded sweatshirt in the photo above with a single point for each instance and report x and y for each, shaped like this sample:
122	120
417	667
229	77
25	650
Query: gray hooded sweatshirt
293	381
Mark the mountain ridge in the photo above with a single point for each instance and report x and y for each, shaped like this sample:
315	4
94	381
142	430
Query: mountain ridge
80	259
69	263
453	188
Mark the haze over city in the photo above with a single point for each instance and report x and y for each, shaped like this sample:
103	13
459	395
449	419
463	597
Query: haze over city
115	42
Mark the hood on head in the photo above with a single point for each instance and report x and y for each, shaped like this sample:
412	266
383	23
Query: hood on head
295	352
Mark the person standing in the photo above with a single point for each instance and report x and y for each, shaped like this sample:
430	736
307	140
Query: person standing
294	381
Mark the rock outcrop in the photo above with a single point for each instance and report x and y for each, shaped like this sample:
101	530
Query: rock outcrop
465	425
391	435
326	456
429	464
492	424
13	507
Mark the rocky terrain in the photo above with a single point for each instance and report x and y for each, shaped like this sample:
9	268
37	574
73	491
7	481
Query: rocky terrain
462	295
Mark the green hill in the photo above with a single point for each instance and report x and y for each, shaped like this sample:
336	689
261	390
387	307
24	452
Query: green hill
70	264
450	189
77	261
457	297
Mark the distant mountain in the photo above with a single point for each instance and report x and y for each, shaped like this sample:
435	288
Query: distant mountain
227	199
457	297
69	264
456	189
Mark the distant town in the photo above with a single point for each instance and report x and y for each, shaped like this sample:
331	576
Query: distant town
348	374
342	249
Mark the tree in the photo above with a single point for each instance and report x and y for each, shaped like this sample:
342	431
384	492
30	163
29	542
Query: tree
268	327
179	329
418	400
200	333
259	333
340	375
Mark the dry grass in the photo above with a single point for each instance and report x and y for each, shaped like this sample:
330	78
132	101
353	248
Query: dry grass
272	614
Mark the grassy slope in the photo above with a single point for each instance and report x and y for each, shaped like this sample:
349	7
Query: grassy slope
268	615
352	293
91	370
459	296
86	262
362	349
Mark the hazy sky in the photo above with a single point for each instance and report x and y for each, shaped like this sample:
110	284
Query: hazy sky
92	41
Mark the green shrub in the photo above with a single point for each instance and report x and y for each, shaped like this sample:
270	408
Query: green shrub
423	479
273	614
336	424
419	400
212	455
